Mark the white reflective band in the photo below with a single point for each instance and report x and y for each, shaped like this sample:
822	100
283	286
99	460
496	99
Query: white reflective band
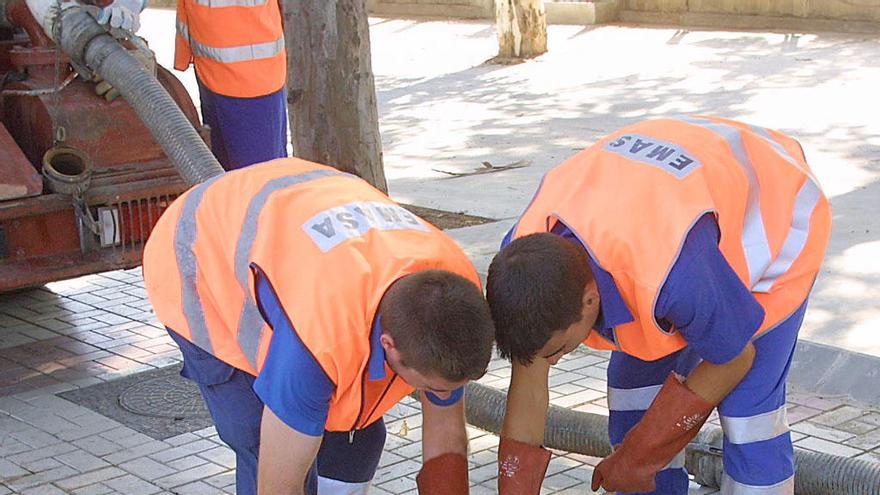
231	54
755	428
754	236
730	486
765	134
230	3
250	323
796	239
327	486
632	399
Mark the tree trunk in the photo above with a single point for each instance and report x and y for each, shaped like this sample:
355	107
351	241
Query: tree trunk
522	28
331	93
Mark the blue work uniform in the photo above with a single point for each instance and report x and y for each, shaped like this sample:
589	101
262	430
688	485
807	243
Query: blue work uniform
245	131
294	386
717	316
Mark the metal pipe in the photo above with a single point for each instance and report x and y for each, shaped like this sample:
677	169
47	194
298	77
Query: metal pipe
585	433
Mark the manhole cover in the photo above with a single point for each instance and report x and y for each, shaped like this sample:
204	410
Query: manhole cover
163	397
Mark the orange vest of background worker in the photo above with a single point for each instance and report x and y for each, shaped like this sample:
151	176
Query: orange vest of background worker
237	48
630	203
246	263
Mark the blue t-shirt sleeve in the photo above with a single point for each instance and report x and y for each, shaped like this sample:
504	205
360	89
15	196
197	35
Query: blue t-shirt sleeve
705	300
453	398
292	383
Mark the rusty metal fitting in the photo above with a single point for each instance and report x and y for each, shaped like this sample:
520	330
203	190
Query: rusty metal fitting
67	170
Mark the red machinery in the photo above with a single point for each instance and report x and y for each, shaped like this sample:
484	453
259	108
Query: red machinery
106	183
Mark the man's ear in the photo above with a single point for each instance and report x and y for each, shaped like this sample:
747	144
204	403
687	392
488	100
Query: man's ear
590	300
387	342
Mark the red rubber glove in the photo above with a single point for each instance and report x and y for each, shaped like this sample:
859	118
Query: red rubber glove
672	421
444	475
521	467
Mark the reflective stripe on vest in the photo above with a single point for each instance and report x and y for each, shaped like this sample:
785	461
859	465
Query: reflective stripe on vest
755	428
185	237
251	322
231	54
764	270
754	236
250	325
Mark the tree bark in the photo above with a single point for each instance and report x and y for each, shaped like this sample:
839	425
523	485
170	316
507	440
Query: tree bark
522	28
331	92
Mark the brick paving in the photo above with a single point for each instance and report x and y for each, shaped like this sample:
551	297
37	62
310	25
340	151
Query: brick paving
97	328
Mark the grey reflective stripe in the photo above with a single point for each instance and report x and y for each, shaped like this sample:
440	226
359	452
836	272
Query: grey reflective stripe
730	486
230	54
185	236
230	3
250	324
765	134
632	399
755	428
754	236
796	239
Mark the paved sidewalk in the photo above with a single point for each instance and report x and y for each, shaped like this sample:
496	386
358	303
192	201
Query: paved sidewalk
84	331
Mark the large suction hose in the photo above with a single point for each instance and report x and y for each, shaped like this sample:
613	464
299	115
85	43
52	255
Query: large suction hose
89	44
584	433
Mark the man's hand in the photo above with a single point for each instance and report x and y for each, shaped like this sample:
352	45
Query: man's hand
122	14
286	456
670	423
444	449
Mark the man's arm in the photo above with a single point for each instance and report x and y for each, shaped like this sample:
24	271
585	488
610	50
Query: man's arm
522	462
286	456
712	382
444	449
528	399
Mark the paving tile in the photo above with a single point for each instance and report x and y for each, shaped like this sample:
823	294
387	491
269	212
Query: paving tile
837	416
132	485
81	461
187	462
868	441
62	473
147	468
189	475
10	470
223	456
44	490
96	489
822	432
826	447
93	477
127	454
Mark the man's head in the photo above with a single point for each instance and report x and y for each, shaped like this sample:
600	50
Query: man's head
437	330
542	296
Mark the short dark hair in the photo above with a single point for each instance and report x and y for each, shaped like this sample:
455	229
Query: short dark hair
535	288
440	323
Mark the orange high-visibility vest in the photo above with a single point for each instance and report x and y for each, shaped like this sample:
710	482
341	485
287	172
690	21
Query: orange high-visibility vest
329	244
633	197
237	46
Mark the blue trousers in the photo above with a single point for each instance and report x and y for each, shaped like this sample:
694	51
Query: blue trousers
245	131
758	454
340	467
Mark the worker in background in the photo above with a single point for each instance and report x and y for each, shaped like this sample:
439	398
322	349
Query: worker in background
237	48
306	304
688	247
